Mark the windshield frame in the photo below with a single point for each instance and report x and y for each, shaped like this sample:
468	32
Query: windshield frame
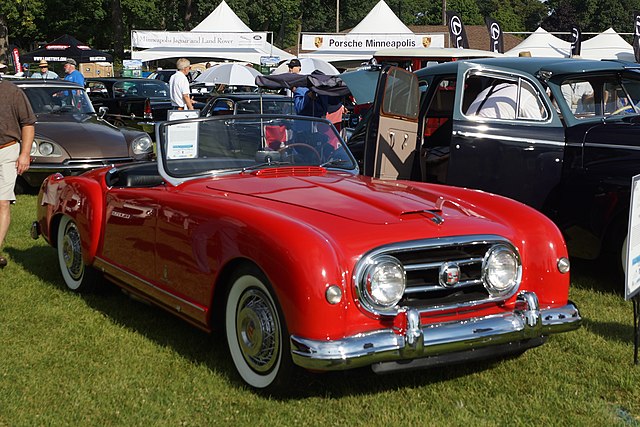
261	156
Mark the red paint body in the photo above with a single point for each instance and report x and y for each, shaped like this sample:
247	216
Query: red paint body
171	243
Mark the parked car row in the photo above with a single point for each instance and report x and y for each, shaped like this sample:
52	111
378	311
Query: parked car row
263	227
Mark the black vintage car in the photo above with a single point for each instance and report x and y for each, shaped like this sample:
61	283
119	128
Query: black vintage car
70	137
561	135
133	102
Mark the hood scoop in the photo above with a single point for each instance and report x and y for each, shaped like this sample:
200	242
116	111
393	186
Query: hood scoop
434	215
290	171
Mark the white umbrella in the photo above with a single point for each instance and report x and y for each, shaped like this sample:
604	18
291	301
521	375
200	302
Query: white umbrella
232	74
309	65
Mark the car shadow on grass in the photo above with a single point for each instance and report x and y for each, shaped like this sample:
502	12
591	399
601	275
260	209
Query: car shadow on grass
200	347
597	275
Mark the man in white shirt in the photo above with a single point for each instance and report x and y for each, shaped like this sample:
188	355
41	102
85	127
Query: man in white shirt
179	86
499	101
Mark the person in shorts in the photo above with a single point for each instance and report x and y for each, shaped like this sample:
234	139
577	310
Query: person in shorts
17	129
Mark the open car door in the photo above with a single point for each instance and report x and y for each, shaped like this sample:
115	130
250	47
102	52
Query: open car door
391	148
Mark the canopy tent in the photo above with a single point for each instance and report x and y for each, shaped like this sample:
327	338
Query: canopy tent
66	47
370	34
607	45
542	44
221	20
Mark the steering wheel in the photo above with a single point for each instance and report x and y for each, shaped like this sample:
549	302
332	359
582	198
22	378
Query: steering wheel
298	144
623	108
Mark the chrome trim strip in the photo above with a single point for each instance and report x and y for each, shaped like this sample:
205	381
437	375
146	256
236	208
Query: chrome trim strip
418	289
508	138
622	147
436	339
434	265
151	285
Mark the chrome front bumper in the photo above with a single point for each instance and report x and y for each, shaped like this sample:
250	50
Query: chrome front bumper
504	332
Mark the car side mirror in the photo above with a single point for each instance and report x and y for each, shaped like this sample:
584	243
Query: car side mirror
102	111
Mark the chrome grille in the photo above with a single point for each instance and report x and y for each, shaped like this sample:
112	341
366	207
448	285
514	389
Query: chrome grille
423	260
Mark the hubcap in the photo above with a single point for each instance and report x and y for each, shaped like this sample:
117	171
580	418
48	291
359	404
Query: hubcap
258	331
72	252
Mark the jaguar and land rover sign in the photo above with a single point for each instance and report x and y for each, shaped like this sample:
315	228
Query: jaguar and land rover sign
372	42
191	39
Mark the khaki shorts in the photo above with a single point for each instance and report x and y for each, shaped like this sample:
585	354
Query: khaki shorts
8	171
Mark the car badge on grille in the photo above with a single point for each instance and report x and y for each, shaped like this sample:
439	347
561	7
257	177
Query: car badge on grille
449	274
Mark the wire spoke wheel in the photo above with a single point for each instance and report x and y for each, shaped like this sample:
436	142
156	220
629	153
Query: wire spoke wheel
76	275
256	332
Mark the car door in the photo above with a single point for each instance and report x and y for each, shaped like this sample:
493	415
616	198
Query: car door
507	137
391	148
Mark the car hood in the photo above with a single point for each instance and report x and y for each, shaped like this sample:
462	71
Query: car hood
357	198
82	135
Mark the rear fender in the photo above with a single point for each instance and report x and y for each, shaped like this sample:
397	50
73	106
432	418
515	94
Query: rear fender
81	199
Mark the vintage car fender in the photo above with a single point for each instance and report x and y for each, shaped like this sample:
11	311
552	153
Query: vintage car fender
301	263
539	242
80	198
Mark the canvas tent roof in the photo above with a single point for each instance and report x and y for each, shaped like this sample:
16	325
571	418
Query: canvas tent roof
222	20
66	47
542	44
607	45
379	20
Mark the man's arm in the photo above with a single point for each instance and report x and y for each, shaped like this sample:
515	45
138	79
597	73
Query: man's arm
24	159
187	101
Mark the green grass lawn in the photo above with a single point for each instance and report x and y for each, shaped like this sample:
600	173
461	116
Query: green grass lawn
104	359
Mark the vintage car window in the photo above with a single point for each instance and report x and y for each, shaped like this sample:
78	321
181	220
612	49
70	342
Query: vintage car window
54	99
399	95
153	89
252	106
503	98
97	89
579	96
215	145
599	96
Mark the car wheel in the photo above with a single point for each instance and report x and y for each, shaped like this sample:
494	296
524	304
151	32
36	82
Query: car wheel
256	333
77	276
118	123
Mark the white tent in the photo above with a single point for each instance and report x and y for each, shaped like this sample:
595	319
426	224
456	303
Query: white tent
380	20
607	45
221	20
542	44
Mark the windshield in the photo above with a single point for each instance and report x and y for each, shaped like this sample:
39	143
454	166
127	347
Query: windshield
601	96
149	88
214	145
54	100
269	106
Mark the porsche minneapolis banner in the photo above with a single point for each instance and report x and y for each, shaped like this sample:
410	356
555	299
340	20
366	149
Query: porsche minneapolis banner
149	39
370	41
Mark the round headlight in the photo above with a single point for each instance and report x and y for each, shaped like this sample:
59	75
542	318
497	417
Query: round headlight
141	144
501	270
34	148
45	149
384	282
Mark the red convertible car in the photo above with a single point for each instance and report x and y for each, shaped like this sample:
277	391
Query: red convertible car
261	225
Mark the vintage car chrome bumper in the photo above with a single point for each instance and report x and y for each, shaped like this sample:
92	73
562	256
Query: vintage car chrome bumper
525	327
